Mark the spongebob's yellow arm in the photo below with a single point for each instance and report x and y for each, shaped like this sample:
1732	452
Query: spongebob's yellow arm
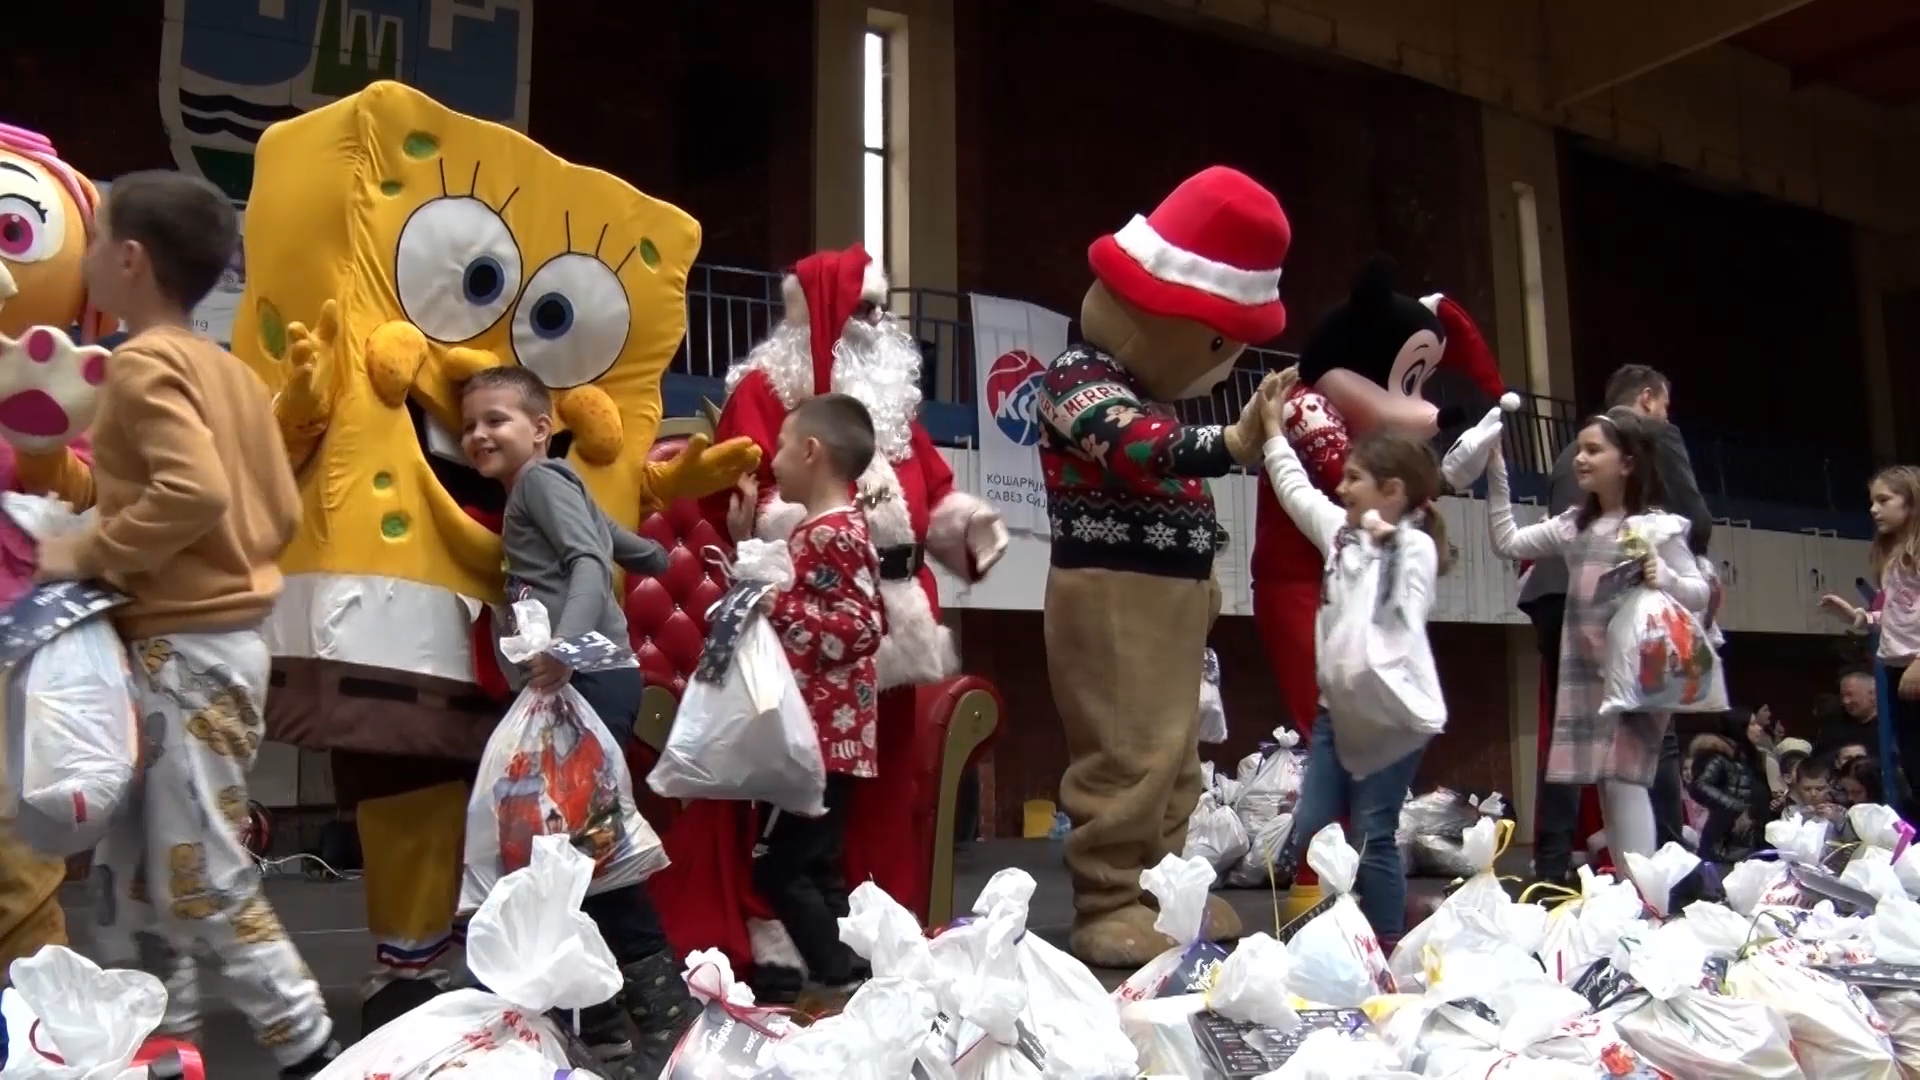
698	470
305	404
60	474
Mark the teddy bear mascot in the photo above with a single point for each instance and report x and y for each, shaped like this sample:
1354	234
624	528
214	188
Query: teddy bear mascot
836	335
46	219
1363	369
1176	297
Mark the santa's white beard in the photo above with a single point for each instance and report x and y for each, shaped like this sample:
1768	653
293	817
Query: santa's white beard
876	364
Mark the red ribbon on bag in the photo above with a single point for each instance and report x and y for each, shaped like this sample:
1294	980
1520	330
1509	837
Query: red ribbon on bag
191	1067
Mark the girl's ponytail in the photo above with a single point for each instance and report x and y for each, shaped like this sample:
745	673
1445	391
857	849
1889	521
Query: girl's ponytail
1435	526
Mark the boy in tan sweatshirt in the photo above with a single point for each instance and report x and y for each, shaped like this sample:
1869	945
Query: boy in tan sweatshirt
195	501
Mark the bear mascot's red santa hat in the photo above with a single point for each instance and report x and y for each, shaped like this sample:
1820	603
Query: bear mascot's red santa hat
837	335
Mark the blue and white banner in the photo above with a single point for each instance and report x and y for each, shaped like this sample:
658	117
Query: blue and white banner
1013	342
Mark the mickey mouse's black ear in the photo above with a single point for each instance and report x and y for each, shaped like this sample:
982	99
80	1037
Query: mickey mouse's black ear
1374	283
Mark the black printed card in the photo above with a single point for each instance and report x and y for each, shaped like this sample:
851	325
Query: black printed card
1241	1051
592	651
1876	976
47	611
720	1045
726	623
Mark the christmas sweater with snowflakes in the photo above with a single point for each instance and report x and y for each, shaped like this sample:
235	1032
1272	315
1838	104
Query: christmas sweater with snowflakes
1125	480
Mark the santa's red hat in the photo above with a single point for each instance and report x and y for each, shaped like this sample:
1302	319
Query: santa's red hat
824	291
1211	253
1467	352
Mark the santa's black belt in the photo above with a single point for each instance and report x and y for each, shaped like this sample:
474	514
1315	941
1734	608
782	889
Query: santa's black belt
901	562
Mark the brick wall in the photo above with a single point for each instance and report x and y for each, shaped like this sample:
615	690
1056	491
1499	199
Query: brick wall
693	103
1075	115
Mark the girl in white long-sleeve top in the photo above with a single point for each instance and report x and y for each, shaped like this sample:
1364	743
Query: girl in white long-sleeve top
1614	464
1385	516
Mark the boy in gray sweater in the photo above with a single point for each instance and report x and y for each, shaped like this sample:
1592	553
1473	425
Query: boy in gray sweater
560	549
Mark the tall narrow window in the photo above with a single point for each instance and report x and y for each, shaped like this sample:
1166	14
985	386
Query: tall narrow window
874	173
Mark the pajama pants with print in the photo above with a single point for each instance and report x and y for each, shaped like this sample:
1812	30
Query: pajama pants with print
172	877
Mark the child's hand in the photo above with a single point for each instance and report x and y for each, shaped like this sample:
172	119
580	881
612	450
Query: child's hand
549	673
743	508
58	559
1273	409
1650	570
1909	689
1841	607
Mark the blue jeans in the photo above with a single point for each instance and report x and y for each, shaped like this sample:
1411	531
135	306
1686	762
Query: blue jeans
1372	809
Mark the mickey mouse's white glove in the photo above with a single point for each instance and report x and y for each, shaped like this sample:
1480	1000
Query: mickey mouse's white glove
1467	458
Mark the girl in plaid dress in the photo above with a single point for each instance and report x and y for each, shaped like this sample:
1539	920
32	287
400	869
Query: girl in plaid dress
1614	465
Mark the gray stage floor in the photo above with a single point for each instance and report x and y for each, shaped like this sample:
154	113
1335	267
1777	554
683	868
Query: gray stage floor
326	920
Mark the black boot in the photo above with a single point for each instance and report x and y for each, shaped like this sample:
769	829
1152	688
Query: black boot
604	1030
656	1000
774	984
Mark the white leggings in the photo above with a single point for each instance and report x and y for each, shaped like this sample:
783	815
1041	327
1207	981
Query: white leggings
1627	810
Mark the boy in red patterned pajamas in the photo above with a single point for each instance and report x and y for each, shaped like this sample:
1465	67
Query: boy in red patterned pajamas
830	623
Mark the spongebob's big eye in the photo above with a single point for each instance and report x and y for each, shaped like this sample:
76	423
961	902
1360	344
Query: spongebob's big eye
572	321
458	268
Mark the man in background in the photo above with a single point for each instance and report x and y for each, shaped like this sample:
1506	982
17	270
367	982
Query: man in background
1543	597
1859	716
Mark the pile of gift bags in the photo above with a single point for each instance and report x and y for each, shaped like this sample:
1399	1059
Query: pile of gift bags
1242	822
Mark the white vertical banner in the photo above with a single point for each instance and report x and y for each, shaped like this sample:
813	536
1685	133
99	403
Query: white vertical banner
1013	342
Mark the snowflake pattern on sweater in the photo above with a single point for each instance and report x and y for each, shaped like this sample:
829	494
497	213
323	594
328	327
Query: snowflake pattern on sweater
1126	481
830	623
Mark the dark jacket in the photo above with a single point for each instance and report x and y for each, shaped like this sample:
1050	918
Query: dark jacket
1680	495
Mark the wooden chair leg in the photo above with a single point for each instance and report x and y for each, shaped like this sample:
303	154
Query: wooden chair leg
975	716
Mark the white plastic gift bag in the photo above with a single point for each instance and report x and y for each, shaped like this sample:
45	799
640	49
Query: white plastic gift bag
1336	958
1907	869
1659	658
1215	833
1690	1031
1836	1030
1377	674
1894	932
72	732
1880	830
1581	933
535	951
733	1036
67	1019
1249	986
1269	787
1064	997
1328	1054
878	1035
1478	917
1657	874
551	766
1181	886
742	731
1213	710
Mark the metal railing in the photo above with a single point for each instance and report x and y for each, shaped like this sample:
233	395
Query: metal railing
730	309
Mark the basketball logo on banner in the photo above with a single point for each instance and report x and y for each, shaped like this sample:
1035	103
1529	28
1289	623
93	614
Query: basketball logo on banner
1013	382
1013	342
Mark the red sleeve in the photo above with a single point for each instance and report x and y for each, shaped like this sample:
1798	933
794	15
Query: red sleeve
752	411
933	466
1319	436
833	595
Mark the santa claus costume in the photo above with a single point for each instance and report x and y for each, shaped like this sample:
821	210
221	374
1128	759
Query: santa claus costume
837	336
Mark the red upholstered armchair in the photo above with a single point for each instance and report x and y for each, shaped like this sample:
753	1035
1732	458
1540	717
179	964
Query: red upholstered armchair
667	618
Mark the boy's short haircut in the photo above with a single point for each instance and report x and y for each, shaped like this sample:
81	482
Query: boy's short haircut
1817	767
535	398
186	225
844	428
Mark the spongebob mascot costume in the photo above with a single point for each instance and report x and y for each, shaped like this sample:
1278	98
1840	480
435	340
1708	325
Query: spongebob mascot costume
46	218
394	248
